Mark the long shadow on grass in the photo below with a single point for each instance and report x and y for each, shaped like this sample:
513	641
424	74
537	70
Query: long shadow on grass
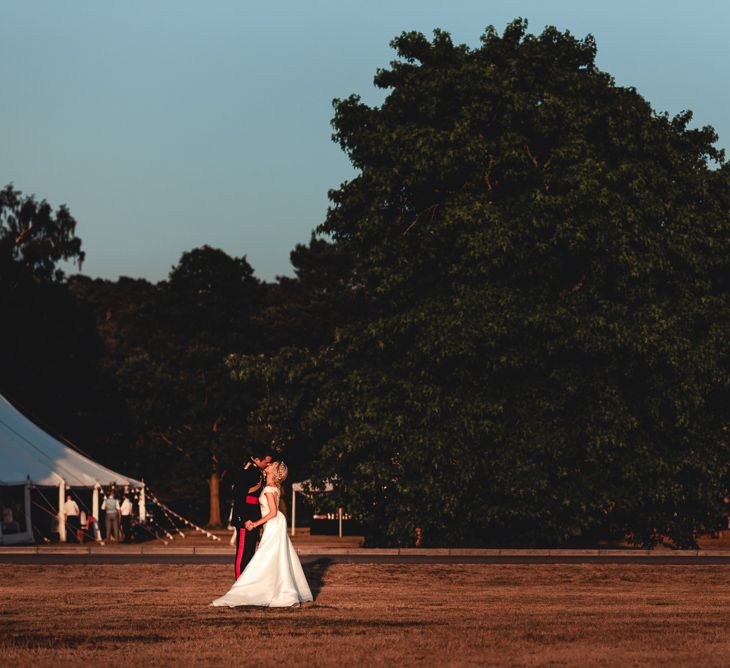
315	574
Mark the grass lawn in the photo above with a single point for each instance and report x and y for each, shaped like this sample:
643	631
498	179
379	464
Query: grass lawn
365	614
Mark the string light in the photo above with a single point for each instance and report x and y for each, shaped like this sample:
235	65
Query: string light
151	520
180	517
171	521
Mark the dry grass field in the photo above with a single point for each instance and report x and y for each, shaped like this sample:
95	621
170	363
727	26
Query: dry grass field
370	614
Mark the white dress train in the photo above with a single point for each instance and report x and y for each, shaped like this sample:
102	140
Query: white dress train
274	577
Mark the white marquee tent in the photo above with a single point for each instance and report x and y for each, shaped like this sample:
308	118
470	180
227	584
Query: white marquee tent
29	456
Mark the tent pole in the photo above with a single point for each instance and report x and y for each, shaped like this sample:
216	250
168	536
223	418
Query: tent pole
95	512
142	507
61	514
293	511
28	523
95	503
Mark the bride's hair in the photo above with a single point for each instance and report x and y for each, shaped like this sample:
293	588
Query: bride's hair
280	472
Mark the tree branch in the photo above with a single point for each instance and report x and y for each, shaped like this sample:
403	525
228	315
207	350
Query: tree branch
533	158
430	209
578	286
488	175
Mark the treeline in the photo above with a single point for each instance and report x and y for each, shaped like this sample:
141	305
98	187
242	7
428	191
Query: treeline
517	335
135	373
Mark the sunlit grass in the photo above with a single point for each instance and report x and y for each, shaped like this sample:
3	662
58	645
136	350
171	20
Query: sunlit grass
370	614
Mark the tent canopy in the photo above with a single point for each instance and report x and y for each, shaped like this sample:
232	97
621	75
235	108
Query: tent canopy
28	452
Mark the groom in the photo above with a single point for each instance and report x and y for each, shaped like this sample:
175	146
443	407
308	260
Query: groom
247	484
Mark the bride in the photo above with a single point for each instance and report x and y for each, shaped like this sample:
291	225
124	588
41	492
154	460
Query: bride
274	576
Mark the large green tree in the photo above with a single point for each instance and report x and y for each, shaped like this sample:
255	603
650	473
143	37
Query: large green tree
206	311
49	350
180	420
34	238
128	388
546	258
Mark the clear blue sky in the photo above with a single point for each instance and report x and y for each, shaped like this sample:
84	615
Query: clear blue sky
165	125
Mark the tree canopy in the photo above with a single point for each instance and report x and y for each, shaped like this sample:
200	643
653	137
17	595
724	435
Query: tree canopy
48	345
34	238
545	259
181	420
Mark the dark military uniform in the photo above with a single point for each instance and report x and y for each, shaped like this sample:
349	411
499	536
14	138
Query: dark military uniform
247	485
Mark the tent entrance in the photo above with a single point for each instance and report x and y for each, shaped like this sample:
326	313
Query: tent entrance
15	515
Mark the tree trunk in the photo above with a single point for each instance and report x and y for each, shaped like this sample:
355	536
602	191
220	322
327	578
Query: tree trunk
214	483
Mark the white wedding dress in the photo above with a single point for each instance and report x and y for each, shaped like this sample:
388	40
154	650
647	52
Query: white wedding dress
274	577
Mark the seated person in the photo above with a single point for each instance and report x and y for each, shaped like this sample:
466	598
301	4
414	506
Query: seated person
9	525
